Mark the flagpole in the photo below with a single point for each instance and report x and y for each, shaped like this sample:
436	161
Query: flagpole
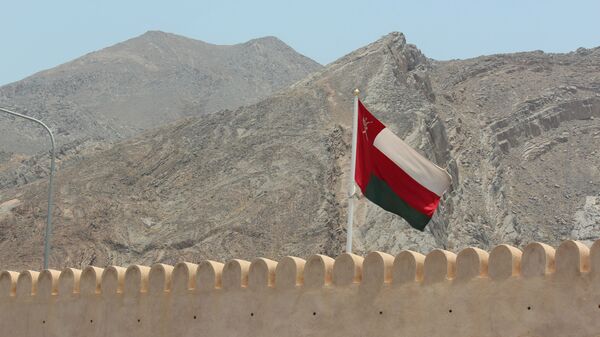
352	185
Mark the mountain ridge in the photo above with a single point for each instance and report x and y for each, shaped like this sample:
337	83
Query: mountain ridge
115	92
517	133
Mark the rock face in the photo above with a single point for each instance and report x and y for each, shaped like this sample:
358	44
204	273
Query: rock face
143	83
518	133
587	220
526	132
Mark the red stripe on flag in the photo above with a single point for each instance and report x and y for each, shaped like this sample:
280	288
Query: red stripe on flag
409	190
368	129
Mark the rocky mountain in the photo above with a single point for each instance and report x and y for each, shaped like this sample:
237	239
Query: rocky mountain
143	83
525	132
519	134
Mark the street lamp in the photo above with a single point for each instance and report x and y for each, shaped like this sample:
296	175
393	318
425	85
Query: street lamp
49	217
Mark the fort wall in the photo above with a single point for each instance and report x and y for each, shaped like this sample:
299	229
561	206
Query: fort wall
539	291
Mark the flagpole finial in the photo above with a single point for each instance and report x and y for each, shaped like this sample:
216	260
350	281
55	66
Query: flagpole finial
356	92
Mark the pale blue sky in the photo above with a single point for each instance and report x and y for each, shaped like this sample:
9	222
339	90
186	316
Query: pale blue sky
37	35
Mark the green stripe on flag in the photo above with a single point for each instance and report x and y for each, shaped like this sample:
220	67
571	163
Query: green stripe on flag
380	193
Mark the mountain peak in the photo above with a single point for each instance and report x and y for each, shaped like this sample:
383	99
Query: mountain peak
268	38
267	41
157	34
408	56
395	36
152	79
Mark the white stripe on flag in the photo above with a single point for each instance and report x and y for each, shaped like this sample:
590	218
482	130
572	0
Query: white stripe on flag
426	173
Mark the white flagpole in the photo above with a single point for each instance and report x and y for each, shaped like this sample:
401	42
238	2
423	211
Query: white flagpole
352	185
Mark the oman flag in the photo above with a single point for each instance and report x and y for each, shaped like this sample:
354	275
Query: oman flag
393	175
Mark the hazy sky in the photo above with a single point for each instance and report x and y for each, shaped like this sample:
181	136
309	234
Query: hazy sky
37	35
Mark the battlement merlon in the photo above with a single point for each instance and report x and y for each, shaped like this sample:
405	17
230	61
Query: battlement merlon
538	291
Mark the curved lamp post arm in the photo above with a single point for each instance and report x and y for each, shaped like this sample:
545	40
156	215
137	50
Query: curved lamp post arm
49	216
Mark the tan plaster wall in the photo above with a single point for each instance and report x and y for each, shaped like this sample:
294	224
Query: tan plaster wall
539	292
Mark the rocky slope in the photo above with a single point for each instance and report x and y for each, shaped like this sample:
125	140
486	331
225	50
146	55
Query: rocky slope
526	134
145	82
519	134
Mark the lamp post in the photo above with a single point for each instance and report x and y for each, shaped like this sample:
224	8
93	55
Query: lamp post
49	217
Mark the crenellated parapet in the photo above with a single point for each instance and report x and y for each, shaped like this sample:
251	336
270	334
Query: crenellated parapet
540	291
